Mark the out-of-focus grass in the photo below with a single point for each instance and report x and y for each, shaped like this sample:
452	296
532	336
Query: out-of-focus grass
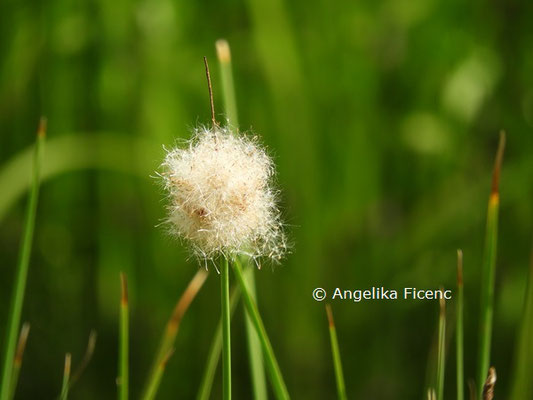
18	289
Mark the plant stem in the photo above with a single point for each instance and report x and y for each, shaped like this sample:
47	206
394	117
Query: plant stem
171	331
153	385
441	359
66	378
21	273
89	351
123	380
339	376
214	352
226	330
255	354
17	364
280	390
522	387
489	270
460	330
228	88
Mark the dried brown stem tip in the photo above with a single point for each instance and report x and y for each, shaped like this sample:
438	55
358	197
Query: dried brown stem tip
498	165
41	131
488	388
223	51
459	267
331	322
185	301
86	358
23	338
68	360
472	389
442	303
210	88
124	289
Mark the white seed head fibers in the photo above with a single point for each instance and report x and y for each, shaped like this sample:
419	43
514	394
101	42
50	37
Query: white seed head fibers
221	195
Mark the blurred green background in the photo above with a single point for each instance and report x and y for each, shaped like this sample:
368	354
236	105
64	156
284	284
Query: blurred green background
383	118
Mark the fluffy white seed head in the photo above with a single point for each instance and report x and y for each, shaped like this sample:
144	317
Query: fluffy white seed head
221	197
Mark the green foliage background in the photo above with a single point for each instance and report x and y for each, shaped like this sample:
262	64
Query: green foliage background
383	118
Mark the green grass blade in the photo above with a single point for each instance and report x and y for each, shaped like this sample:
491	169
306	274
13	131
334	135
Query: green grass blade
459	343
21	273
66	378
171	331
214	352
276	379
17	364
228	88
226	330
89	351
339	376
255	353
123	379
489	270
156	378
257	370
441	358
522	387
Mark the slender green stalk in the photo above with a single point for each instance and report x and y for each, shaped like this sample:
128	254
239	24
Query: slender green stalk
522	383
228	88
489	270
66	378
17	364
441	358
459	344
278	384
226	330
255	354
89	351
171	331
21	273
156	378
123	380
339	376
214	352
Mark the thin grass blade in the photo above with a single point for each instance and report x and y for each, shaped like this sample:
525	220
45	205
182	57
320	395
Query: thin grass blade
228	88
489	269
441	358
257	370
226	330
19	355
123	378
459	343
274	372
215	350
66	378
339	376
89	351
522	383
156	379
171	330
21	273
